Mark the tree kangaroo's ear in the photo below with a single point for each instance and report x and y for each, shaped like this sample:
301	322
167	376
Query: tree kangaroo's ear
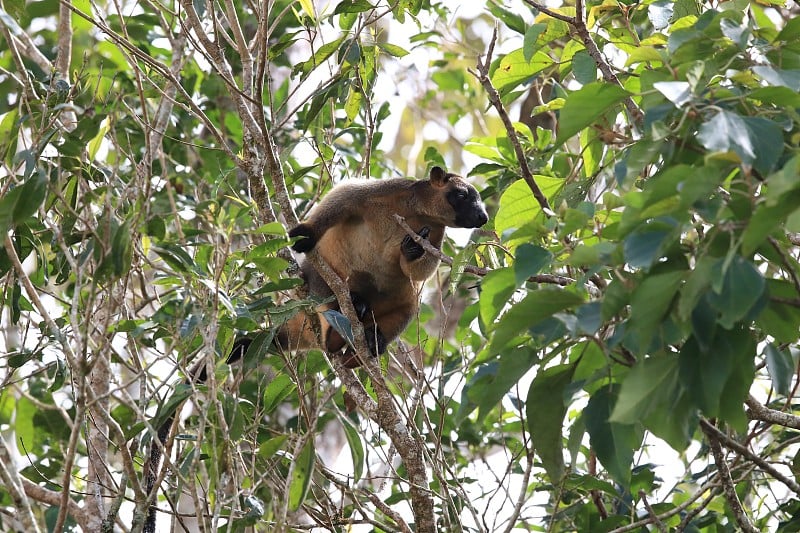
439	177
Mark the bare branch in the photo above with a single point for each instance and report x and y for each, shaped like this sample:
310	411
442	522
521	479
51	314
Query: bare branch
727	482
64	55
757	411
650	511
14	484
742	450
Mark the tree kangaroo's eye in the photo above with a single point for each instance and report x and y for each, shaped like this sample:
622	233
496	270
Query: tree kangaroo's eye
461	195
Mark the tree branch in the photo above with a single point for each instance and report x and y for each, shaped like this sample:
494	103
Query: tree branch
727	482
579	24
548	279
14	484
760	412
383	412
742	450
482	75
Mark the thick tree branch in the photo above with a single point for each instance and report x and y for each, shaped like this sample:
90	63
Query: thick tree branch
482	75
64	55
757	411
384	412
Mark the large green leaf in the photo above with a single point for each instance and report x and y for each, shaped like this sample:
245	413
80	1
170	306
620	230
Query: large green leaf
585	105
537	306
545	409
518	206
492	382
647	243
651	301
514	69
496	290
718	378
647	385
741	288
280	388
613	442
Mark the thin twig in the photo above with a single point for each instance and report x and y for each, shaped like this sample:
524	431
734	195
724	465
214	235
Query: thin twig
650	511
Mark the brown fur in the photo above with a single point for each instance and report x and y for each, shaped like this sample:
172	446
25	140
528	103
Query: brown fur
354	230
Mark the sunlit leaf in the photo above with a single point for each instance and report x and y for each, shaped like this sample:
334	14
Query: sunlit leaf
515	69
586	105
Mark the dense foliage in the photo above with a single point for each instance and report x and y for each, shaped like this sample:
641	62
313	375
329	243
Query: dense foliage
616	350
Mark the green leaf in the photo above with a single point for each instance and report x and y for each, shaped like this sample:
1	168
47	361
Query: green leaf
546	408
531	36
518	206
496	290
767	139
352	6
779	78
393	50
121	249
486	390
356	447
530	260
318	57
24	426
515	69
677	92
32	194
509	18
644	388
647	243
741	288
613	442
767	217
726	132
302	473
583	67
280	388
780	320
651	300
718	379
537	306
167	410
585	105
781	368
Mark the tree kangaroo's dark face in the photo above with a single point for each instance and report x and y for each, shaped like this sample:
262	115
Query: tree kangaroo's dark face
466	203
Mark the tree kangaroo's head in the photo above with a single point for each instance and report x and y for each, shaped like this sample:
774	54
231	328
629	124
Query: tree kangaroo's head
454	202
